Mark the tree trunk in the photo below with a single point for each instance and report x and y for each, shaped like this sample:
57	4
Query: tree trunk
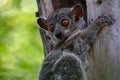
104	55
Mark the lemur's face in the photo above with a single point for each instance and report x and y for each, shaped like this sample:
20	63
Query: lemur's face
62	22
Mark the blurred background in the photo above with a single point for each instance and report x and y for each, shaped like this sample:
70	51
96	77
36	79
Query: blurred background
21	51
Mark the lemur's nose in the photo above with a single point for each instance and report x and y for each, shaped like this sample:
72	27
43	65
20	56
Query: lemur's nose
58	34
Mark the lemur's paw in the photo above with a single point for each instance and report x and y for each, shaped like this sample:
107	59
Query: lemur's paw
106	20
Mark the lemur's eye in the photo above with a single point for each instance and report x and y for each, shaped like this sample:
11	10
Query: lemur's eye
51	27
65	22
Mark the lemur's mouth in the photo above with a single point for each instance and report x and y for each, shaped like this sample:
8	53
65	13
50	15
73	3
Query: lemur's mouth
69	38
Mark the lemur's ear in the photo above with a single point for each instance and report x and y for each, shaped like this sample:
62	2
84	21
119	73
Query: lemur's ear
77	11
42	23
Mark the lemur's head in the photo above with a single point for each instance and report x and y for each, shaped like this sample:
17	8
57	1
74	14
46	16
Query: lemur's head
62	22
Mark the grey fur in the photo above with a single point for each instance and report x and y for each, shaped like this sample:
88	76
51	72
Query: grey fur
68	61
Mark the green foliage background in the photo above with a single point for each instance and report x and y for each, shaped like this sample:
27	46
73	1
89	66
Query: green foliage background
21	51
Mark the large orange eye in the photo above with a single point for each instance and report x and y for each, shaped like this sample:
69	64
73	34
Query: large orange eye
65	22
51	27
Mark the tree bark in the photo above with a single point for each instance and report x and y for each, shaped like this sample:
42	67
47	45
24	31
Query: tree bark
44	9
104	55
